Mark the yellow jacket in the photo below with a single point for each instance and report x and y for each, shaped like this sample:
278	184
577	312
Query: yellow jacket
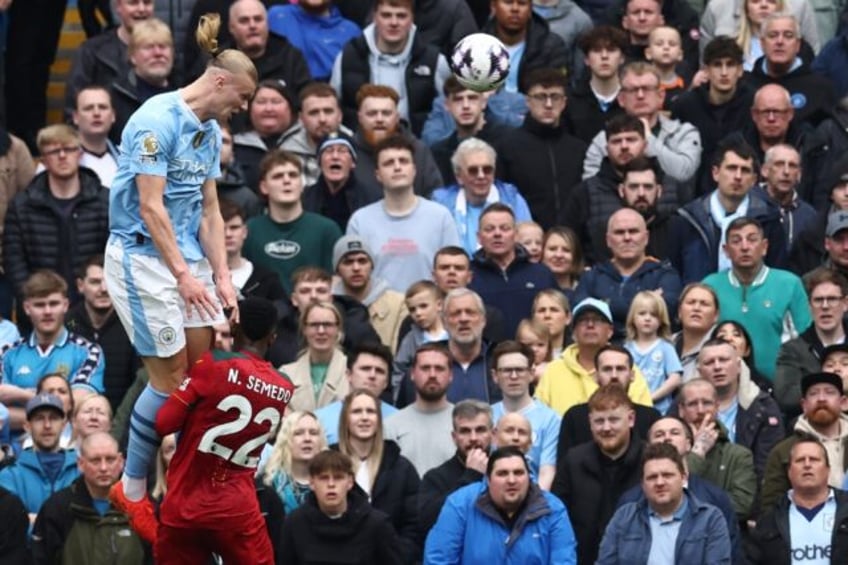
565	383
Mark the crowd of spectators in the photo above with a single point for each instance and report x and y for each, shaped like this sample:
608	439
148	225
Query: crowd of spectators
595	316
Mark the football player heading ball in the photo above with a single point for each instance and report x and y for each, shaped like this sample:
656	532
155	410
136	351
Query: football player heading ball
165	262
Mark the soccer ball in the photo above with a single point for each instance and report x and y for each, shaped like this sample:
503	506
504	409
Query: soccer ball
480	62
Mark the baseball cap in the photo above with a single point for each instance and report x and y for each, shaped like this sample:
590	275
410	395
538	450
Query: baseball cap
836	222
337	138
349	244
44	400
592	305
821	378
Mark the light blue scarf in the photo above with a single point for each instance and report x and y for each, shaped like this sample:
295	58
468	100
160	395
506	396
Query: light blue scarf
722	220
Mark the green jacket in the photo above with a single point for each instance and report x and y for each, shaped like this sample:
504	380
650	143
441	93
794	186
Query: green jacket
730	467
797	357
70	531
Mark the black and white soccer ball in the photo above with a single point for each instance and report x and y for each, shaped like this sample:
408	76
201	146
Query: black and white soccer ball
480	62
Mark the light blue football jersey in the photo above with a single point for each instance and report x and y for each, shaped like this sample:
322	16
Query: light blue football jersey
164	138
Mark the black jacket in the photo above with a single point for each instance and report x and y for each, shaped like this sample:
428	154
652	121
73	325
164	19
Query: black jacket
361	536
119	354
542	48
281	61
420	79
592	203
395	492
713	122
98	61
759	428
808	252
129	92
438	483
315	199
583	115
36	236
13	530
770	542
590	485
233	186
813	95
574	429
822	150
545	163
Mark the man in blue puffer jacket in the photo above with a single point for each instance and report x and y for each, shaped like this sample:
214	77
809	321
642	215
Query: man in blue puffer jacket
507	520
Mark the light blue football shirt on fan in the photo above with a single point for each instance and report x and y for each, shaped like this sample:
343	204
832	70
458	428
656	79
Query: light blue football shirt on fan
164	138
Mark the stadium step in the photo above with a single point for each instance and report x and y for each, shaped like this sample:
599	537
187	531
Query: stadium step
70	40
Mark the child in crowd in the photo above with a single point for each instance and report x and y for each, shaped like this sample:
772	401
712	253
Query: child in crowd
648	335
537	337
529	235
665	51
424	302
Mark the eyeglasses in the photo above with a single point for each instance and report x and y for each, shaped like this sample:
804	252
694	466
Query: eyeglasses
475	170
635	89
826	300
60	150
517	371
772	112
543	97
321	325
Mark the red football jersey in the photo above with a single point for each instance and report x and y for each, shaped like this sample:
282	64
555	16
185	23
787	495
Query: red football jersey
227	408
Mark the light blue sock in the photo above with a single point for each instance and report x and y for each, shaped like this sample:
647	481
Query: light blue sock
143	441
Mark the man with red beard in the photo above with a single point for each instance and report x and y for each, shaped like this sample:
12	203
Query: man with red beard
378	118
592	476
822	401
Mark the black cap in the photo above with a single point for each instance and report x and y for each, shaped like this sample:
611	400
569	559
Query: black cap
831	349
257	317
821	378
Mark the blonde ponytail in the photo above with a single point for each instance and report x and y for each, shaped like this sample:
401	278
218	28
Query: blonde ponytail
231	60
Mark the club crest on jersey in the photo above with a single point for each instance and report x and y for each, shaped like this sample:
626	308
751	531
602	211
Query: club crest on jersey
198	139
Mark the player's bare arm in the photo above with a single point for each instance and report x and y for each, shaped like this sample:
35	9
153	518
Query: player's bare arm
151	193
212	240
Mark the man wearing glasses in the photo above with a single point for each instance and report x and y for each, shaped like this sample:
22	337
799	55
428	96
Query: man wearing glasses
806	353
541	157
61	219
676	145
511	363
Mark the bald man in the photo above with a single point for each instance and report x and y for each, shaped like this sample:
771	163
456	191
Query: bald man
514	428
629	270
